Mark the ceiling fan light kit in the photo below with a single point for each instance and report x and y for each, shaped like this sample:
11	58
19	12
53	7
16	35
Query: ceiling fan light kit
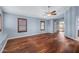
50	13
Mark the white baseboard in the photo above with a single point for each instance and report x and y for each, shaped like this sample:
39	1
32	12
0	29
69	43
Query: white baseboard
3	46
73	38
24	36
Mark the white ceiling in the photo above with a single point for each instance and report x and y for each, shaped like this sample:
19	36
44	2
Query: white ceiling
35	11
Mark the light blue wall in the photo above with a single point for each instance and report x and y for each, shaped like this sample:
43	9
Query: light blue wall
47	25
3	35
77	21
50	26
70	22
33	25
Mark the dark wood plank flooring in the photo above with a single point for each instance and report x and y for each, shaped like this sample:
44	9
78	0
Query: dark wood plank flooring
42	43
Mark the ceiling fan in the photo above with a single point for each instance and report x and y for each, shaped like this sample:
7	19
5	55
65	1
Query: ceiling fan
50	13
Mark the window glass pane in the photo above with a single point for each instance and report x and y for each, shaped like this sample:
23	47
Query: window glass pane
22	28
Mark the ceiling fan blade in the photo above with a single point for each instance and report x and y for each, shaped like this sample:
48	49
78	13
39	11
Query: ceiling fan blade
53	14
54	11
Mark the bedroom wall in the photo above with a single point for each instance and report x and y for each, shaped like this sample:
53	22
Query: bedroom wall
70	22
55	25
50	26
33	25
3	35
77	22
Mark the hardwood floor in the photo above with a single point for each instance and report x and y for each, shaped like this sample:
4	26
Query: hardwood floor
42	43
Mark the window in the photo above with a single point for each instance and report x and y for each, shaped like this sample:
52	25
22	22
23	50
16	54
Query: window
42	25
0	23
22	25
